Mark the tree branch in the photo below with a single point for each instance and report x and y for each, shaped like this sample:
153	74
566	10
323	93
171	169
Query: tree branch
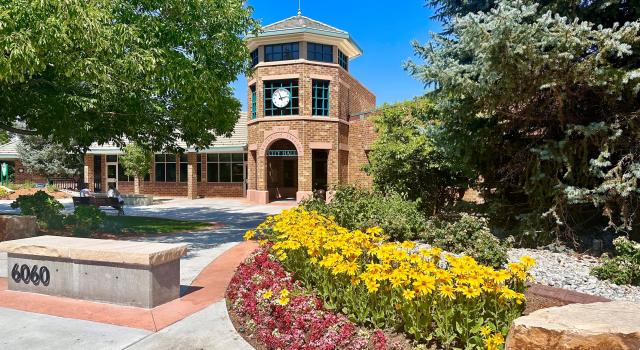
17	130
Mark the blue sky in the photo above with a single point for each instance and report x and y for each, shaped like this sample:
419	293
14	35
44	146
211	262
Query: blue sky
383	29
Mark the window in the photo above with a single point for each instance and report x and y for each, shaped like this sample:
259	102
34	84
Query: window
320	97
320	52
165	168
254	58
184	168
281	52
121	173
225	167
343	60
270	87
254	109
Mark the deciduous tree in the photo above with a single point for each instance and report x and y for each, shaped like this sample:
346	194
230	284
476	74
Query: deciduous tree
108	70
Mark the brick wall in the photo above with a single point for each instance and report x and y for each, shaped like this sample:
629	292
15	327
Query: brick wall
22	174
180	189
361	136
345	141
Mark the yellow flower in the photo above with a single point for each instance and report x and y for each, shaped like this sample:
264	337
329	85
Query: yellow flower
527	261
447	291
284	293
282	256
408	294
268	294
283	301
469	291
249	235
424	285
485	331
408	245
493	342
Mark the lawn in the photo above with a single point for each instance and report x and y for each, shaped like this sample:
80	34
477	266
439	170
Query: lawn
151	225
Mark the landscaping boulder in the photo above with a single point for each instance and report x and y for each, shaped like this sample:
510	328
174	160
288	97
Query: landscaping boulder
17	227
611	325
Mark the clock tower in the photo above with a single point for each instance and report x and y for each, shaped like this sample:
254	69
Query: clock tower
308	129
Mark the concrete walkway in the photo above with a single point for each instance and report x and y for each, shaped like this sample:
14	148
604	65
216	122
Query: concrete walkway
209	328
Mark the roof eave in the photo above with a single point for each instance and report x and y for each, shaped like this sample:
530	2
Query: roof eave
357	51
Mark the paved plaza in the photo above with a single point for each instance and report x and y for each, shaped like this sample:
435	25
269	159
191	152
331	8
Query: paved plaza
208	328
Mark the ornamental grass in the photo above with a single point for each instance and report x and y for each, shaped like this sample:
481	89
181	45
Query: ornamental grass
427	294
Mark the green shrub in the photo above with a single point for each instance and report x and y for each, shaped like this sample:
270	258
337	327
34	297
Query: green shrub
356	208
88	219
44	207
52	188
468	235
3	192
624	268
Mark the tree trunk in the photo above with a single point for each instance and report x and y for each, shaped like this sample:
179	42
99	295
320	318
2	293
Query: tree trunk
136	185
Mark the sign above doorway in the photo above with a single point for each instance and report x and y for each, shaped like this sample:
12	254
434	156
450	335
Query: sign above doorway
282	153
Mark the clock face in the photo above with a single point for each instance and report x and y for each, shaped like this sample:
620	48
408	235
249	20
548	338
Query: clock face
281	97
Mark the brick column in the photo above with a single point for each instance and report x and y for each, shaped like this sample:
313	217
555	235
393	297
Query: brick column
305	187
103	173
333	168
88	172
261	194
192	175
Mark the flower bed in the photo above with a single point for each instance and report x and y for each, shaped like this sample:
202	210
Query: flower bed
432	297
280	314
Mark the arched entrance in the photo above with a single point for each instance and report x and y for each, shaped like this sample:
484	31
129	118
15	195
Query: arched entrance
282	170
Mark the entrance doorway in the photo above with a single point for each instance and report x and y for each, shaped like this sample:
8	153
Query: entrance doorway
282	171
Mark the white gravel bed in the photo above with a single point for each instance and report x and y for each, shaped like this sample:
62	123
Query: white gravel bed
571	271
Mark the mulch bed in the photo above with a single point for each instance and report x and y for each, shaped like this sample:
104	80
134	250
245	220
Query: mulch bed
30	191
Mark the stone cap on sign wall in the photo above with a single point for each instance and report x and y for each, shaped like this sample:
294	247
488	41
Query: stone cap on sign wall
97	250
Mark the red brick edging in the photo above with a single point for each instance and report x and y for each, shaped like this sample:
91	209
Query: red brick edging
209	287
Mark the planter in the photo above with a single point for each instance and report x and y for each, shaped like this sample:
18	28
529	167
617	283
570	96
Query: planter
17	227
137	200
14	227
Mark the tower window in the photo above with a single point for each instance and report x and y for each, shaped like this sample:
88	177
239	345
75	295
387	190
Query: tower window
291	108
320	100
254	58
343	60
320	52
281	52
254	109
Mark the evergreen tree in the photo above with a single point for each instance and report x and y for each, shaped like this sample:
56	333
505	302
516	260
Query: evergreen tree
45	157
544	106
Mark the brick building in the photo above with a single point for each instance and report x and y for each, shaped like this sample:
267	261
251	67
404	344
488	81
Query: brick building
305	128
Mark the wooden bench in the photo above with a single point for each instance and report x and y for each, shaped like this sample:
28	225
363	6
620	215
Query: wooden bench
141	274
100	202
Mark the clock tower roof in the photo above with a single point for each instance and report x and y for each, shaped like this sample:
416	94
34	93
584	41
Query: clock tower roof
303	28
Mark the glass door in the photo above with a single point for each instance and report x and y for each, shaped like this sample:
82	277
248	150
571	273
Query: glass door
112	172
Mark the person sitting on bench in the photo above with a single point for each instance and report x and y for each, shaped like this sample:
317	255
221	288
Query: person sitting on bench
85	192
114	193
